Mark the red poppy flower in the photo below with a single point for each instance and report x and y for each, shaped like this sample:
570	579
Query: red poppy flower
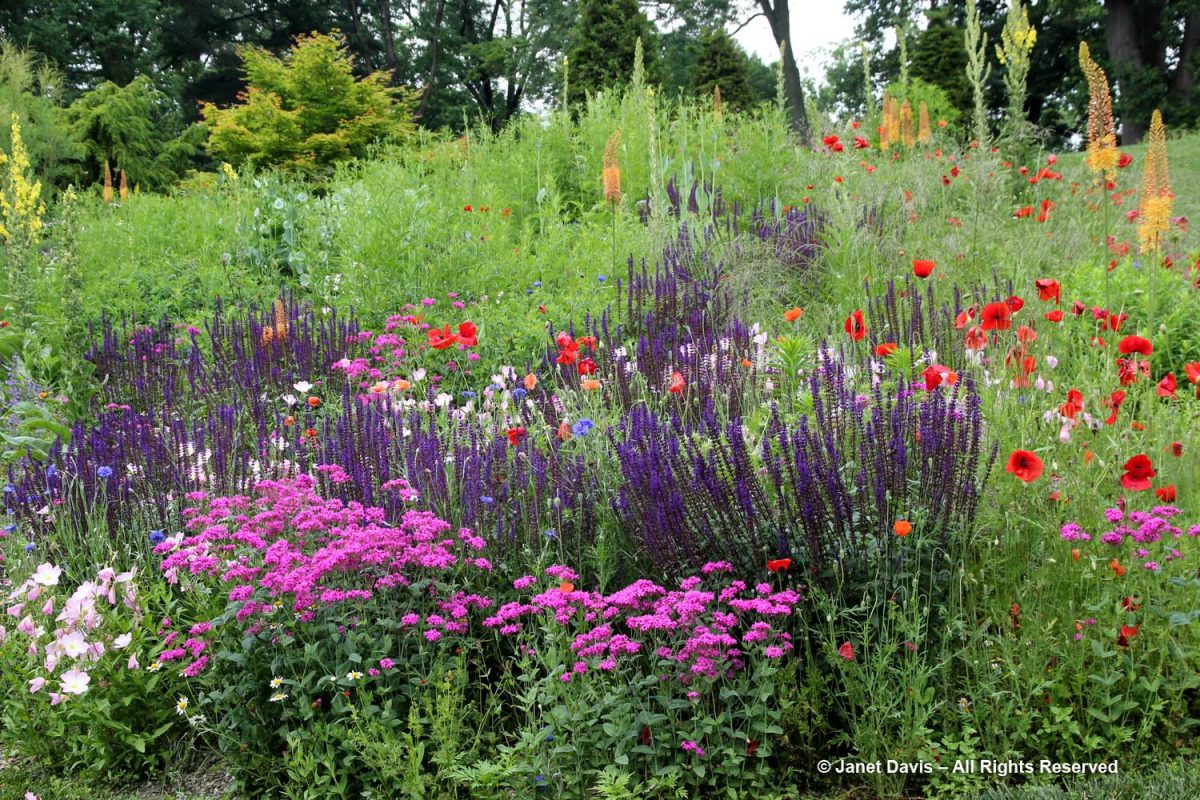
1166	493
1129	370
997	317
467	334
846	651
1023	212
1176	448
860	143
586	341
1138	472
1049	289
1015	303
779	565
677	384
937	374
586	367
441	339
1025	465
1073	405
923	267
829	141
1114	321
1116	567
1113	402
1124	161
886	349
963	318
1127	633
1054	316
855	327
1192	370
1166	387
976	339
1135	344
516	436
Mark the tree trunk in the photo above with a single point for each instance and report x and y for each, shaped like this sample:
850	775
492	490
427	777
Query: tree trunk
779	17
389	37
1126	27
1185	77
433	59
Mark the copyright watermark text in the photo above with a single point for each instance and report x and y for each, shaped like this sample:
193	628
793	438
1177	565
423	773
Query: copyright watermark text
978	766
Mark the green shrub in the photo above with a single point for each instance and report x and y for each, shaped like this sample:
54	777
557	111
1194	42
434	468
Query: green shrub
306	110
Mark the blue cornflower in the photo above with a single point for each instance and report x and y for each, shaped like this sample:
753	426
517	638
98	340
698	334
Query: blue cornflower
529	291
486	499
537	284
10	527
51	471
29	547
104	472
602	278
549	737
157	537
582	427
519	394
9	489
550	533
468	393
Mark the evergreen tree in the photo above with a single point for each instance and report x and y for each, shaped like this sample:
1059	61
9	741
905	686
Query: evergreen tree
722	63
134	129
940	58
602	49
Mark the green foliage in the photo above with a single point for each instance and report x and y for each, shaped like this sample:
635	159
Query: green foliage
918	91
307	110
722	63
133	129
31	88
938	58
603	45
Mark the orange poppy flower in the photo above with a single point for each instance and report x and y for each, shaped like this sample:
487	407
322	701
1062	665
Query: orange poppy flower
902	527
793	314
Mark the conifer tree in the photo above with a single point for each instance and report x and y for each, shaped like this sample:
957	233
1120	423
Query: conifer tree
602	49
722	63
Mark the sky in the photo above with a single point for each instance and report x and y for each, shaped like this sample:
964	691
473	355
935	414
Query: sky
817	25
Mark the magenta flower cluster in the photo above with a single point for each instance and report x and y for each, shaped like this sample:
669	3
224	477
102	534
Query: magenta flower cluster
693	631
290	547
1141	528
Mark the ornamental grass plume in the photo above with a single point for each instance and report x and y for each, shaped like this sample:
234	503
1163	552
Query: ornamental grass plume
924	134
1102	153
612	169
1154	215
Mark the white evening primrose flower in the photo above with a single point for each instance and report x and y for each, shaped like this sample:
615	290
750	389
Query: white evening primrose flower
75	681
46	575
